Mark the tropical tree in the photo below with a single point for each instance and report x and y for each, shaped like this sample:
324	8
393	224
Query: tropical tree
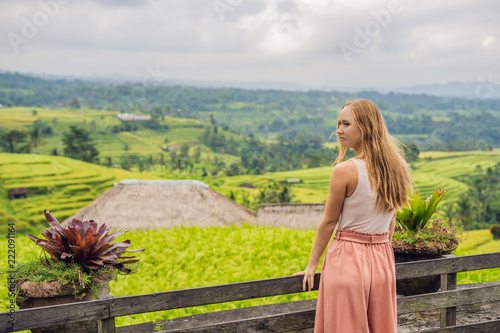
448	211
35	135
13	141
464	211
74	103
79	145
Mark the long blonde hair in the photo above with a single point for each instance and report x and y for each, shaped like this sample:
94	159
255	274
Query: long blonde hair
383	154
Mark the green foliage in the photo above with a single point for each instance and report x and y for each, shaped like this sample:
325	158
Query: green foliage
74	103
435	231
495	230
39	270
79	145
275	193
13	141
411	153
416	216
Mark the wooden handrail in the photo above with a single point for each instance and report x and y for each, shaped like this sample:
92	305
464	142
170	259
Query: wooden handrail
447	265
128	305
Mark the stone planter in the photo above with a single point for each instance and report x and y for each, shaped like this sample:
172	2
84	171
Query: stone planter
47	293
404	252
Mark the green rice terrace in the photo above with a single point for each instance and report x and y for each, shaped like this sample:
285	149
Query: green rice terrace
65	185
168	132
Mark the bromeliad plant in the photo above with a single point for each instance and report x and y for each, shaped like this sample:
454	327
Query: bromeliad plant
417	232
419	212
85	244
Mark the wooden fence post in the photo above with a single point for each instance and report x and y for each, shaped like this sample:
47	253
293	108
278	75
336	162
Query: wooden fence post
107	325
448	282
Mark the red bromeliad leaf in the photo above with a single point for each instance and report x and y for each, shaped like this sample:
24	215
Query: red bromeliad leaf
70	237
49	216
75	234
77	224
129	261
86	226
109	257
91	230
84	243
111	237
66	255
102	250
122	268
138	250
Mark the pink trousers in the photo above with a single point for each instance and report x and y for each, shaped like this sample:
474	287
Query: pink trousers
357	291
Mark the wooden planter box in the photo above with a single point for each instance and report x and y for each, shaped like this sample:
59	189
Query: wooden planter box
404	252
47	293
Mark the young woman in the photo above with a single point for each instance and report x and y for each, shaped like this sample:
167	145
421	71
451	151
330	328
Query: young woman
357	291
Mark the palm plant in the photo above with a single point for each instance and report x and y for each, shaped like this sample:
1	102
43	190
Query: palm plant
418	213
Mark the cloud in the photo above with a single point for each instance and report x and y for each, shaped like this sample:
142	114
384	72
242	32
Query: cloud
272	40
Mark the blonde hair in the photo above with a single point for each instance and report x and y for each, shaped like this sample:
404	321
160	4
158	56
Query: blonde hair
383	154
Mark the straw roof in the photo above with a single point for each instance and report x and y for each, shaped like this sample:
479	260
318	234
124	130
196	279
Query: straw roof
297	216
141	204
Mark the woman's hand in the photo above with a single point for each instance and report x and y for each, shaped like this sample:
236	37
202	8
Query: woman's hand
308	277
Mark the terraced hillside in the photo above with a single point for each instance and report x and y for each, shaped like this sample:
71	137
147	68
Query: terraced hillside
56	183
65	185
436	169
170	132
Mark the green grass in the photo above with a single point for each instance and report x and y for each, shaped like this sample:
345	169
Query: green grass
478	241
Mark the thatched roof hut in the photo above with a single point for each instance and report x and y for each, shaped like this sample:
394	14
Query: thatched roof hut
141	204
247	185
298	216
18	193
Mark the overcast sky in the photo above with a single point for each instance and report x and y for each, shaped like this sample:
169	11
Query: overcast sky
339	44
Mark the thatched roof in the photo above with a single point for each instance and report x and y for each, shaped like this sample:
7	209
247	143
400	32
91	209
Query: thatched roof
140	204
18	192
297	216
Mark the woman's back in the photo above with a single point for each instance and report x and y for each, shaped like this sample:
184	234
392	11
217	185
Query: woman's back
360	212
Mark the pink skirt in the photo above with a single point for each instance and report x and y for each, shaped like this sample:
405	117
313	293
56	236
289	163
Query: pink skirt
357	291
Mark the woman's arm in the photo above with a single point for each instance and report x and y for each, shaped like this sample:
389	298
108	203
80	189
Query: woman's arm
342	175
392	226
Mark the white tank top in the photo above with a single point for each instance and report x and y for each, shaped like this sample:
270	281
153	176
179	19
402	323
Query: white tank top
359	211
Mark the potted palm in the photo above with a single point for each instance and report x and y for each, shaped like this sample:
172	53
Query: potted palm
81	261
418	237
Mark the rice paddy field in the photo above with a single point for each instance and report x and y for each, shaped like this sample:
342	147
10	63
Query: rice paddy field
60	184
193	257
143	141
435	169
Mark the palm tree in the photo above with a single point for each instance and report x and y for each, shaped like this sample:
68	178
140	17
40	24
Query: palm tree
463	210
448	211
35	135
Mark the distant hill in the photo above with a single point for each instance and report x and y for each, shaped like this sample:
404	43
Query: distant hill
481	90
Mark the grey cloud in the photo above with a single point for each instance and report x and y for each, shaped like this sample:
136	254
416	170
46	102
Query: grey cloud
427	34
122	3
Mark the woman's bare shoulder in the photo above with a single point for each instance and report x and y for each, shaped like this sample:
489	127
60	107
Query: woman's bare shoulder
345	168
345	165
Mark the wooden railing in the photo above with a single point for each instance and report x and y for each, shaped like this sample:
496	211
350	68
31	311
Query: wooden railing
289	316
